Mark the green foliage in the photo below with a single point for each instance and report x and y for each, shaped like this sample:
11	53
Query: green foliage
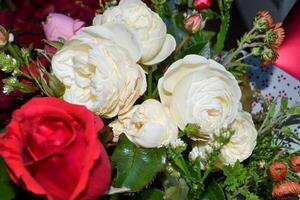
235	176
7	191
136	166
178	190
153	194
224	6
213	191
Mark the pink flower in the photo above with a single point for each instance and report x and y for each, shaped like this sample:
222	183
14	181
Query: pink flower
201	4
59	25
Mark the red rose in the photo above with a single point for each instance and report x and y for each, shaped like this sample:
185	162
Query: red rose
51	149
201	4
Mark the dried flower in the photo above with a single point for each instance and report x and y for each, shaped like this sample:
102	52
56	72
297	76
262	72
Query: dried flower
285	189
278	36
193	23
295	163
268	56
263	20
278	170
201	4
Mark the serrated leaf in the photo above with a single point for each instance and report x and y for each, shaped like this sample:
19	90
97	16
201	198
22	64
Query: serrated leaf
235	176
213	191
136	166
7	191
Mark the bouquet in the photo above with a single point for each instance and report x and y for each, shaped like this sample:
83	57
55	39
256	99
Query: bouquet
140	100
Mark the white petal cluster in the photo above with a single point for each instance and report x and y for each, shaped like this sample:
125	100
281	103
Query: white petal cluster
200	91
98	67
243	141
200	151
147	125
151	31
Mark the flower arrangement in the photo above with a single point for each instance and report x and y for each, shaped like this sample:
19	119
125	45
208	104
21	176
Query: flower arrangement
140	101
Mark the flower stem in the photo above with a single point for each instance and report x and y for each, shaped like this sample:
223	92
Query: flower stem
185	38
149	82
243	45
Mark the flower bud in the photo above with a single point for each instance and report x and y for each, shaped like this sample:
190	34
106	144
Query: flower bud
56	85
193	23
268	56
3	36
201	4
278	170
295	163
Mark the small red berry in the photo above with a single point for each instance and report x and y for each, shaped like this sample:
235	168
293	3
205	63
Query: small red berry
278	170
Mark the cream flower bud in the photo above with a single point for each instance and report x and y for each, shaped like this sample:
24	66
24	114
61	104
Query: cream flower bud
149	27
200	91
98	68
243	141
148	125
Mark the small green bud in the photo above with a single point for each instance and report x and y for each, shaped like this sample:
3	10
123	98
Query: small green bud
268	54
270	37
7	63
256	51
9	84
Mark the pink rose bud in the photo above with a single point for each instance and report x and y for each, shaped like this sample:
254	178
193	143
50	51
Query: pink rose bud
61	26
201	4
193	23
3	36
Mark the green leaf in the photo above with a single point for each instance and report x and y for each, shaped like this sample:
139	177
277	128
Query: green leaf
178	191
269	115
136	166
7	191
206	51
290	133
294	110
284	104
56	45
235	176
153	194
213	191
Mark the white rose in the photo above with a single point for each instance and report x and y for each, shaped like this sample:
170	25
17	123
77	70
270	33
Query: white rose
243	141
98	67
148	125
149	27
200	91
